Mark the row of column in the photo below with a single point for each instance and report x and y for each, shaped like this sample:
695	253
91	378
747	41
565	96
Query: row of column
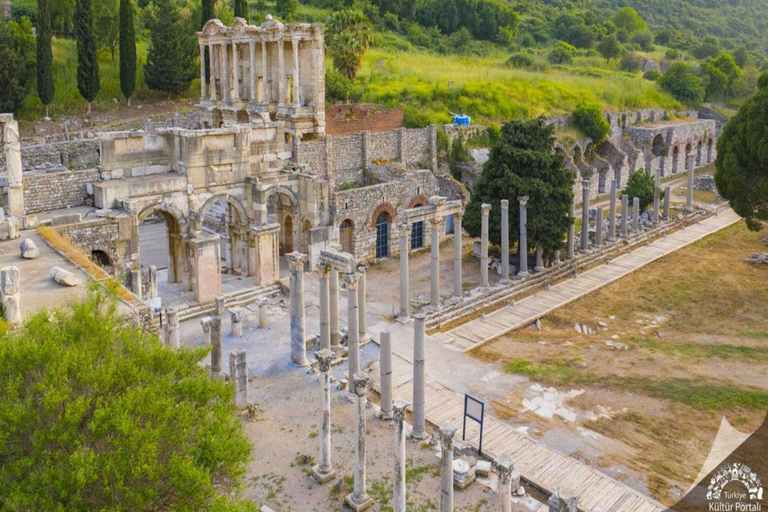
221	59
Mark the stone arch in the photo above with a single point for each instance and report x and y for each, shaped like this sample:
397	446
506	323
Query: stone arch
658	147
416	201
675	159
176	224
710	147
231	200
101	257
347	236
282	207
383	207
282	190
235	219
699	149
382	225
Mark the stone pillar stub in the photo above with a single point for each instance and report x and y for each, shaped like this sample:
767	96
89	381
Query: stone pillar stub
485	212
385	374
172	329
236	321
359	500
447	431
563	501
10	295
238	374
296	261
689	191
323	471
216	345
667	194
624	215
612	213
584	214
399	407
504	467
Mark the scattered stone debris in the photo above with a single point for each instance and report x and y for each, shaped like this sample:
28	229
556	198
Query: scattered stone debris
616	346
705	182
29	250
757	259
63	277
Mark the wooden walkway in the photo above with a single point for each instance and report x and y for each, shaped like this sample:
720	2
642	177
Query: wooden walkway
494	325
540	465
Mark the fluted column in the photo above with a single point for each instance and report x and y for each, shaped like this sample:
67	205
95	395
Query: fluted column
212	70
202	72
584	214
359	499
572	231
264	98
323	471
419	376
523	244
689	192
624	215
485	212
434	281
612	213
281	71
504	241
353	333
325	317
405	301
224	64
447	431
398	412
296	79
333	299
296	262
235	73
252	68
385	374
457	255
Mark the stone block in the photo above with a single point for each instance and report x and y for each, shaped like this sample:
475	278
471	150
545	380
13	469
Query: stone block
29	250
63	277
67	218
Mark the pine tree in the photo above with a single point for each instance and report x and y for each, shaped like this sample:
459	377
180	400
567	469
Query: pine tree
206	15
87	60
127	50
168	64
241	9
45	86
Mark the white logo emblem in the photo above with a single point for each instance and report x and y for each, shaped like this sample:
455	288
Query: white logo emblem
735	472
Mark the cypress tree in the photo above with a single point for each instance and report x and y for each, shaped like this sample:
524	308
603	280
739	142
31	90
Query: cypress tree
87	60
241	9
207	14
168	65
127	50
45	86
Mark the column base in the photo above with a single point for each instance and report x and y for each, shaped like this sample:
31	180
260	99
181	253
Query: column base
337	349
522	274
418	436
302	363
363	503
403	319
321	476
386	416
538	268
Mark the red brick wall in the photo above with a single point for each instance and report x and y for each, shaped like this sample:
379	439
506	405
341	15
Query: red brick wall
359	117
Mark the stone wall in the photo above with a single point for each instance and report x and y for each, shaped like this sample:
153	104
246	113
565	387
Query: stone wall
349	119
109	235
74	155
44	191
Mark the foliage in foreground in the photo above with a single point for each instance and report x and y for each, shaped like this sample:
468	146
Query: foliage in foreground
641	184
96	415
589	119
741	166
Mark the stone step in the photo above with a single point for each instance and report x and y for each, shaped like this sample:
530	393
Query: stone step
236	299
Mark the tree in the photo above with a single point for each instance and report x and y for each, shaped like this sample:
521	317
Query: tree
97	415
644	40
741	166
627	19
523	163
45	86
127	50
589	119
169	63
683	84
206	14
87	60
709	47
12	73
106	25
349	34
572	29
609	47
562	53
631	62
241	9
741	56
715	82
287	9
640	185
727	65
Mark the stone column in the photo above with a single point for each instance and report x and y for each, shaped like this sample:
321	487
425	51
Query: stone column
206	323
10	295
636	214
398	411
238	374
264	98
419	392
12	149
612	213
486	210
172	328
281	71
572	231
434	281
216	344
212	71
252	68
599	227
235	73
447	431
504	241
667	194
563	501
263	304
296	79
224	63
236	321
202	73
689	191
325	317
296	262
457	256
523	243
152	282
362	323
136	284
385	374
504	467
584	215
353	333
656	194
624	215
323	471
220	306
539	259
405	301
333	309
359	499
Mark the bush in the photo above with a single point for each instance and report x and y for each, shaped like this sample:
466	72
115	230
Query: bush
631	62
684	85
644	40
337	87
671	54
640	184
560	56
520	60
652	75
589	120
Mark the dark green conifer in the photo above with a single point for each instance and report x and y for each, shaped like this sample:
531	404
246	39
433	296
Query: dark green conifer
45	86
127	50
87	60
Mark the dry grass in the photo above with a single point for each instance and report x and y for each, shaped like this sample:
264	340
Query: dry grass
62	244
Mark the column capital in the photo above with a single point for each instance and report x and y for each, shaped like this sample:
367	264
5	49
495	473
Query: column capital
523	200
236	314
504	466
435	221
360	383
505	204
404	229
205	323
447	431
351	279
587	174
585	183
399	407
324	358
323	270
485	208
296	261
362	268
458	215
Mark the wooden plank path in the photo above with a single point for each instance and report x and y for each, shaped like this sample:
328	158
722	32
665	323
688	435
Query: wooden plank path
540	465
514	316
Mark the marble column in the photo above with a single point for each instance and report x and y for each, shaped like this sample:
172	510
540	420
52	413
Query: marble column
296	79
522	249
612	213
323	471
202	73
353	333
223	63
405	301
689	190
252	68
504	241
447	431
172	328
333	310
137	286
216	345
584	215
667	194
656	196
263	305
457	256
296	262
539	259
563	501
599	227
624	215
281	72
235	73
11	143
485	212
571	231
212	71
362	322
419	392
398	412
325	317
264	98
206	323
10	295
385	374
504	467
236	322
359	499
238	374
434	281
636	214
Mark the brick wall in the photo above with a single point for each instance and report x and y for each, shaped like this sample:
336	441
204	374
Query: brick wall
355	118
75	154
45	191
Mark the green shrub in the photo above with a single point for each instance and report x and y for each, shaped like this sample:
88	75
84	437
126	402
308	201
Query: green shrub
631	62
683	84
520	60
589	119
671	54
337	86
652	75
560	56
640	184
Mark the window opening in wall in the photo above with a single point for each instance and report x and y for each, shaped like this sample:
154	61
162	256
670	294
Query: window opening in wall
345	236
382	235
417	235
449	224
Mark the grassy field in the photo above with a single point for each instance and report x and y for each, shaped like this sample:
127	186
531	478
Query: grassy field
696	333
